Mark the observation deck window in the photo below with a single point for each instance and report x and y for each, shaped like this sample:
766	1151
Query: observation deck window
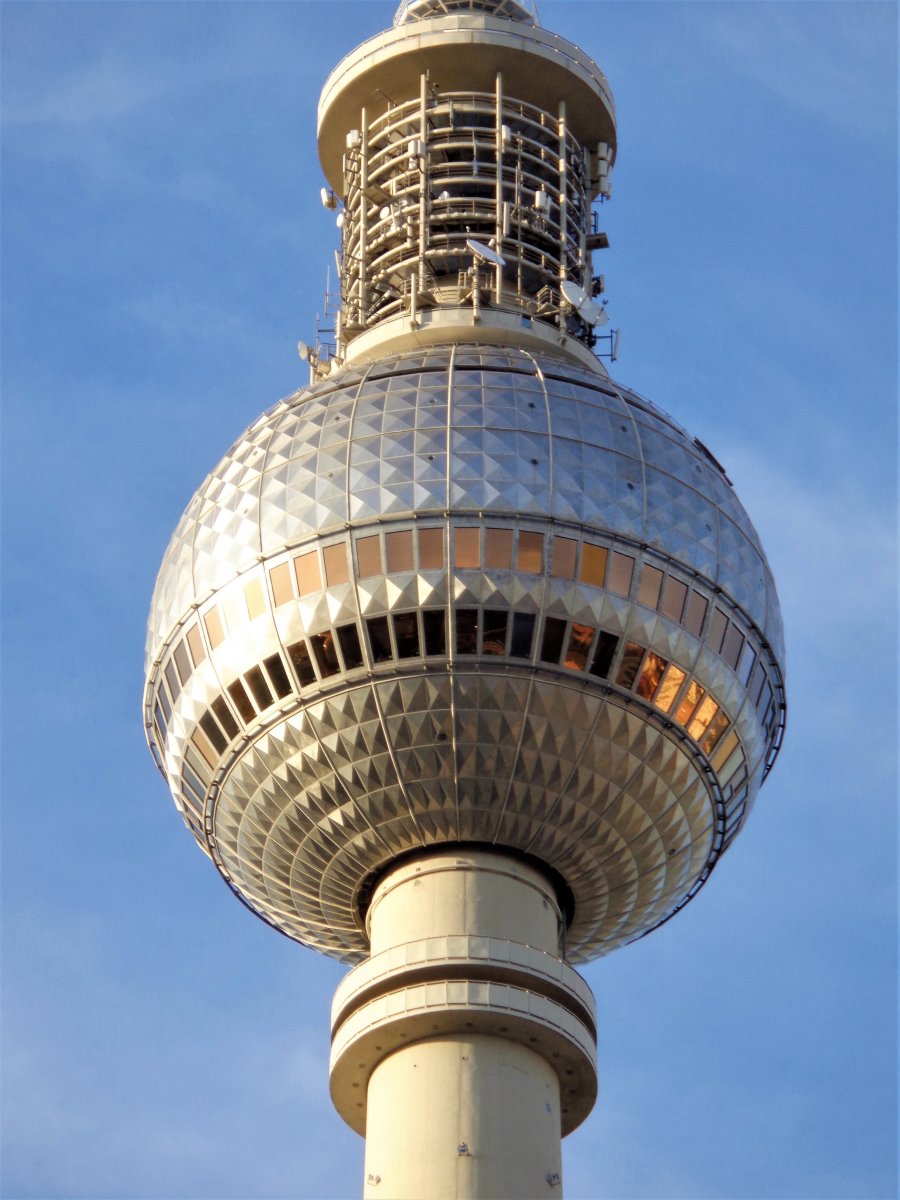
351	650
530	558
406	632
280	578
434	623
214	631
379	639
593	565
309	577
563	557
621	572
399	551
325	653
498	548
336	571
522	635
368	556
673	598
467	631
298	653
552	641
431	549
242	701
493	637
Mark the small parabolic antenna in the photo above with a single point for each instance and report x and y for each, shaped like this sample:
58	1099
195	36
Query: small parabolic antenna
485	253
590	313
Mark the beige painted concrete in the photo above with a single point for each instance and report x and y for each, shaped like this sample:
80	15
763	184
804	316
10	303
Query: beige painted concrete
471	891
464	1048
463	1117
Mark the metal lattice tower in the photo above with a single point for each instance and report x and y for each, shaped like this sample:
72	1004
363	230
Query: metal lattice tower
464	664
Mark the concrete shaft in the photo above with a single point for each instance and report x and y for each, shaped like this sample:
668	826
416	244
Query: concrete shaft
464	1048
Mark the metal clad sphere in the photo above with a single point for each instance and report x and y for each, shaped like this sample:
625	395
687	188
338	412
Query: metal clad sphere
472	595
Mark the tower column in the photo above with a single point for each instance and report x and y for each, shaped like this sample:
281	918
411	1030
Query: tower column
464	1048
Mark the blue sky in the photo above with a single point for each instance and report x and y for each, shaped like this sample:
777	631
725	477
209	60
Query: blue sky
163	249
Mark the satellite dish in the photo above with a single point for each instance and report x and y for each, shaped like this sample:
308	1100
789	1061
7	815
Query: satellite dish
590	313
572	293
485	253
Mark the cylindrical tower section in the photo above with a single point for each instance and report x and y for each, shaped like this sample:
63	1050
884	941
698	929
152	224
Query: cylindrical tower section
464	1048
466	182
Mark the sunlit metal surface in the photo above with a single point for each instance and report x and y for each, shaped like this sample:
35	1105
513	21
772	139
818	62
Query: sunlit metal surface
320	699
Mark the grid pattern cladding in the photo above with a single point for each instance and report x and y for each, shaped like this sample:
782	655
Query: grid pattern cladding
470	594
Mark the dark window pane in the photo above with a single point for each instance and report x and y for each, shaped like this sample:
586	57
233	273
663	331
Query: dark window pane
379	639
552	643
493	633
164	701
673	598
323	649
522	635
301	662
756	683
348	639
696	611
648	591
159	722
431	550
466	630
631	661
213	732
182	662
603	655
435	623
717	628
399	548
258	686
172	680
190	780
368	556
224	717
748	658
406	634
241	700
278	675
734	643
579	647
620	572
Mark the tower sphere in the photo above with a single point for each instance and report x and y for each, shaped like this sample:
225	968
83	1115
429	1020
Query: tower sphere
470	594
464	589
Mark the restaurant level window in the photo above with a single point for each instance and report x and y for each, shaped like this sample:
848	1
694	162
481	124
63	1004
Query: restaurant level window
348	640
522	635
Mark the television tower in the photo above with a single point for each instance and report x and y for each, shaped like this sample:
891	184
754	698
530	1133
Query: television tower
464	664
